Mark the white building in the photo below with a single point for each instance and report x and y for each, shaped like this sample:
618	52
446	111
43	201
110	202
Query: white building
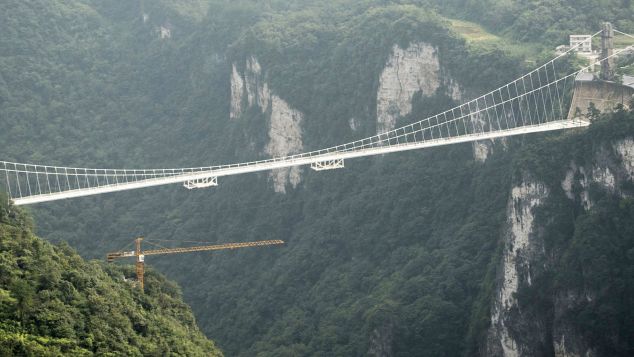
165	32
583	41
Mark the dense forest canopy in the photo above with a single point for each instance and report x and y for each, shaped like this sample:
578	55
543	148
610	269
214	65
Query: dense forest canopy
52	302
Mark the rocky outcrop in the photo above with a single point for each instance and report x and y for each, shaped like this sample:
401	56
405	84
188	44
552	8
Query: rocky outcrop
568	182
407	72
604	177
285	137
576	185
482	149
354	124
519	247
284	129
566	340
257	89
381	341
528	332
625	150
480	122
237	93
609	172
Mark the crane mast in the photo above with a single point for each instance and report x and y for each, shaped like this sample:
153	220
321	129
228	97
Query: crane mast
140	265
140	254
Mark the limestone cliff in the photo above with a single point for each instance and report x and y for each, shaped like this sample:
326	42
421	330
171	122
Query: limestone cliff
381	341
285	137
480	150
408	71
519	247
284	126
527	257
237	92
625	150
612	168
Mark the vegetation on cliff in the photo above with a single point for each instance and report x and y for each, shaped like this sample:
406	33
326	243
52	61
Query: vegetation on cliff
53	302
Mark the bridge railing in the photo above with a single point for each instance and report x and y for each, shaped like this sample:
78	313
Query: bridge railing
537	98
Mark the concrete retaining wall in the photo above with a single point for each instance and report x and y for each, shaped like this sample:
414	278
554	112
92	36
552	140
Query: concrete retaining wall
604	95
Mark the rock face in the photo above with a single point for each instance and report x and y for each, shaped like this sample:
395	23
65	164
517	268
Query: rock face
576	184
381	341
284	129
608	173
408	71
354	124
514	332
516	265
482	149
237	92
285	137
257	89
625	149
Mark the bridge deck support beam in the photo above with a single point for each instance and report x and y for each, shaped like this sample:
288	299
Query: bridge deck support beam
327	165
201	183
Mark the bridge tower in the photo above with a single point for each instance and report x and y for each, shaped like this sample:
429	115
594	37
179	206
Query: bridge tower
607	48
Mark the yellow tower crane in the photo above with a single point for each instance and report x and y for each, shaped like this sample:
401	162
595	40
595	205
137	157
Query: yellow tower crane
140	255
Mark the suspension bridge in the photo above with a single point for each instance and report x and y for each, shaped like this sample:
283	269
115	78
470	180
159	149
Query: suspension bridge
538	101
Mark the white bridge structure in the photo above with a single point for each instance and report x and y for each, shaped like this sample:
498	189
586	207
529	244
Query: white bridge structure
536	102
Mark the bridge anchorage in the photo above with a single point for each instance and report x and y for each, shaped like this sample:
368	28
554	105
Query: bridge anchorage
535	102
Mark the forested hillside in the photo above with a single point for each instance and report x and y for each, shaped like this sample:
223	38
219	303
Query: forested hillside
535	20
52	302
399	255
